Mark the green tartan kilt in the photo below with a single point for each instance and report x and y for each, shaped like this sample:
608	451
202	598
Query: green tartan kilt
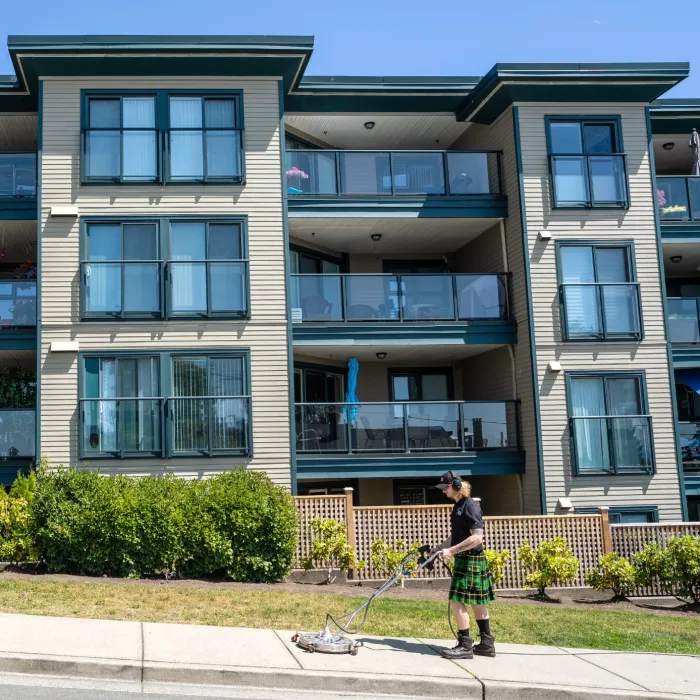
471	580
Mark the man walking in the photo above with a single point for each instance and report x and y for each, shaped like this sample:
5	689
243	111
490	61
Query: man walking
471	580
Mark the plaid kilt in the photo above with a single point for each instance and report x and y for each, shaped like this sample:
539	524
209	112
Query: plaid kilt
471	580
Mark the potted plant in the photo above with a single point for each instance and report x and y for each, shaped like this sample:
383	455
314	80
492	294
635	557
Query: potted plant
295	176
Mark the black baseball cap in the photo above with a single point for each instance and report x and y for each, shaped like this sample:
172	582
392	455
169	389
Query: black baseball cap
446	480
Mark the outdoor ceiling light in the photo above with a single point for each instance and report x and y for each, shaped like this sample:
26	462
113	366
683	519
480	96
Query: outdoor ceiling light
376	237
676	258
668	146
369	125
381	356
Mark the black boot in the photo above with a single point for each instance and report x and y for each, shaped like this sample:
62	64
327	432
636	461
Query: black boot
486	646
463	650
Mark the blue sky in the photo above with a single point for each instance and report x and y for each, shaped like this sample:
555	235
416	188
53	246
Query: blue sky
387	37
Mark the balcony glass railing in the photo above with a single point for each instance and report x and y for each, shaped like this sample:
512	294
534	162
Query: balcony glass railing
17	303
601	310
17	433
678	198
406	427
598	180
612	445
17	175
690	444
391	173
398	298
683	323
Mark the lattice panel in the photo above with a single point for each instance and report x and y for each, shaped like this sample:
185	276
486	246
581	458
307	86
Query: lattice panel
627	540
424	524
308	507
582	532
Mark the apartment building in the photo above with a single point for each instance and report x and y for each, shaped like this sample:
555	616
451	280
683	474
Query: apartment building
210	259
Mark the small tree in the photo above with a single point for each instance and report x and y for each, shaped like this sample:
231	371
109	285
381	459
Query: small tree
677	567
386	559
330	545
15	537
552	562
497	563
613	573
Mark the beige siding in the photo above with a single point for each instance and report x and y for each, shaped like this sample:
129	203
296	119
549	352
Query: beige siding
265	334
489	376
484	254
501	136
636	225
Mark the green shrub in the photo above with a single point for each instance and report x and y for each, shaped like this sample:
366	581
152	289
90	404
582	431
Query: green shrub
613	573
330	545
237	523
386	559
552	562
497	563
15	537
677	567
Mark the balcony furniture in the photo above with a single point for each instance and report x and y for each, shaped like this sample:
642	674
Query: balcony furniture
361	312
308	440
373	435
316	309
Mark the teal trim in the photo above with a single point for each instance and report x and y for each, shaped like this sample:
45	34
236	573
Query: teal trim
487	463
692	487
664	306
18	340
165	366
288	299
18	211
530	310
632	269
685	357
39	168
433	333
679	232
607	374
652	512
10	470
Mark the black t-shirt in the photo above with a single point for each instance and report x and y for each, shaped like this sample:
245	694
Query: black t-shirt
465	518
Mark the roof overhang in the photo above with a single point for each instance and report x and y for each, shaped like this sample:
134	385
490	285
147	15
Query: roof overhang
285	57
676	116
509	83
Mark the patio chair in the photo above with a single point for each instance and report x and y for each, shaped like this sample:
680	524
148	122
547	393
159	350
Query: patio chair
316	309
360	312
308	440
373	435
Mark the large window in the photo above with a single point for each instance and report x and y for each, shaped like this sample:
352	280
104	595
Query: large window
126	263
587	165
599	292
610	427
627	515
165	405
163	137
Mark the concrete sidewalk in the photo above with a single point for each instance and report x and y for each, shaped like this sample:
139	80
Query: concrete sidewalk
189	654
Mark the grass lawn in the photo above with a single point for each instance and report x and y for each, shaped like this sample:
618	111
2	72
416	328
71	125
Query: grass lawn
520	624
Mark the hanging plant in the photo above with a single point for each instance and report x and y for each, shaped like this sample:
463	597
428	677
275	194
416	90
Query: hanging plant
25	271
17	388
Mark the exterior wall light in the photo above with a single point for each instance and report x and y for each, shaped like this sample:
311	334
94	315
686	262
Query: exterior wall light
369	125
376	237
381	356
676	258
668	146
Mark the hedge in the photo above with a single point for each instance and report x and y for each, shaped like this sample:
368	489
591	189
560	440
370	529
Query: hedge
237	524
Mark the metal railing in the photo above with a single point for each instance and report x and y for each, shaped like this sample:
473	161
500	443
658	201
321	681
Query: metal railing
393	173
601	310
684	319
17	303
17	433
398	298
589	180
407	426
612	444
689	432
17	175
678	197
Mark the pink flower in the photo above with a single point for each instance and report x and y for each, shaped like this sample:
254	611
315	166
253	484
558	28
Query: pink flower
661	198
295	172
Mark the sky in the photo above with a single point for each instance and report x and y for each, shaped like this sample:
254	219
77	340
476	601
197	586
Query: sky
392	37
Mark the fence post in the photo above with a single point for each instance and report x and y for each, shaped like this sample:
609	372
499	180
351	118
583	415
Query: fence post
605	528
350	521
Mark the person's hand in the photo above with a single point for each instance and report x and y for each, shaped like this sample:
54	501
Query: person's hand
447	554
433	550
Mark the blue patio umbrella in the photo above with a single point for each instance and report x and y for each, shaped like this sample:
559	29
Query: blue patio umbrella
351	396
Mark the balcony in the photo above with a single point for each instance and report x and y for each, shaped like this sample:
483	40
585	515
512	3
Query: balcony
678	198
683	321
407	438
689	433
17	314
436	183
18	185
473	307
17	441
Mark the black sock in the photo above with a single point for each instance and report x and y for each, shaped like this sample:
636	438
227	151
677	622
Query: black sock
484	627
464	633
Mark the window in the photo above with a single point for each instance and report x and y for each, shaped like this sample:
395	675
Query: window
587	166
209	405
165	405
122	274
127	264
121	407
165	137
421	385
609	426
622	515
121	140
599	293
